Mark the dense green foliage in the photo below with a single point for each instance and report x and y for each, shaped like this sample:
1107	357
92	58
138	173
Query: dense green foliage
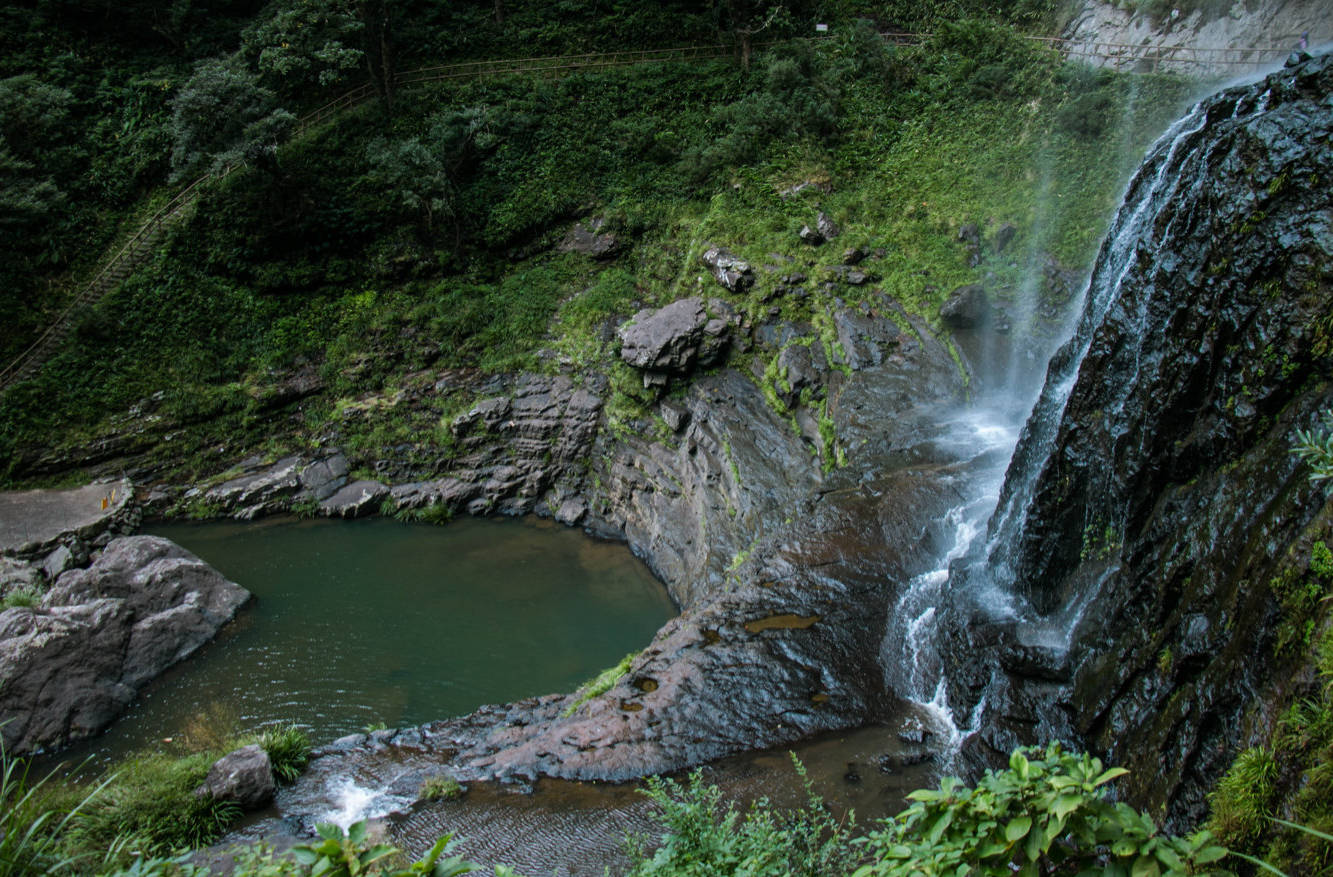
145	807
703	836
1290	777
1049	813
429	239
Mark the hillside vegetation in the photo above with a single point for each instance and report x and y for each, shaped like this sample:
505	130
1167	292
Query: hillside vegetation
425	232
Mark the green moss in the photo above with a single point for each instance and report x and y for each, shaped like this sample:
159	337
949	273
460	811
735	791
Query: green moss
600	684
1301	594
440	788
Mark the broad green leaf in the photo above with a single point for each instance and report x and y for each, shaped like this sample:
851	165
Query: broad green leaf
1017	828
305	856
938	828
1208	855
1145	866
1066	804
1124	847
1109	775
329	831
1032	846
1168	857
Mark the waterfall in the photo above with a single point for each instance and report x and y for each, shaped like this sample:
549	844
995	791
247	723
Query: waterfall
1155	183
980	567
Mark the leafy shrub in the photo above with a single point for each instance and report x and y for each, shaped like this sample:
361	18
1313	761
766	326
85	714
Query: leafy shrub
288	751
440	788
1242	801
1048	813
705	839
1087	116
795	102
1316	446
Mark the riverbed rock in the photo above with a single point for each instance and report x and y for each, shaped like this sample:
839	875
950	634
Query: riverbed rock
591	238
1004	235
69	666
734	274
244	776
18	575
356	500
57	562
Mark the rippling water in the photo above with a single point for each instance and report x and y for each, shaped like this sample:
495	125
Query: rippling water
357	623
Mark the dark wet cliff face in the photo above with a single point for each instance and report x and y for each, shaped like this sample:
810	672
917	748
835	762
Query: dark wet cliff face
1165	499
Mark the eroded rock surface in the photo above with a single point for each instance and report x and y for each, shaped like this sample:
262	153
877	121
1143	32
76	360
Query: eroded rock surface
784	565
69	666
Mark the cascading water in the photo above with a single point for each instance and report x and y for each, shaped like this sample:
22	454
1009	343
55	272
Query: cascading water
1154	184
910	655
984	567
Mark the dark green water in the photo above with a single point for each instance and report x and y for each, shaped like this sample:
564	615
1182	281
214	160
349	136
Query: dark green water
363	622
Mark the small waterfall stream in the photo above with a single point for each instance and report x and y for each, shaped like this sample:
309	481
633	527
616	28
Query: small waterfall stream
911	659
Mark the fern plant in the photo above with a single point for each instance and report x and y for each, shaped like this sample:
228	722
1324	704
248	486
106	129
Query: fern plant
1316	446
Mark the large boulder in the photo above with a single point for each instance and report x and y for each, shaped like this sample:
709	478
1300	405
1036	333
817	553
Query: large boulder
244	776
70	666
669	342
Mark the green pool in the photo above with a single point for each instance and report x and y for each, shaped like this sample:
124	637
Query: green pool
361	623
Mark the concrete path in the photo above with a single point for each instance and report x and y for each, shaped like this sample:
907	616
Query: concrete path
32	518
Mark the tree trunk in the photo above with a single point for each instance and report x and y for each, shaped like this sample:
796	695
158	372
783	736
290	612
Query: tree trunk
378	48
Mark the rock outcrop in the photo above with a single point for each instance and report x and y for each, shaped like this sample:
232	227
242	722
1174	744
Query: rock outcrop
784	565
1207	40
670	342
1144	517
71	665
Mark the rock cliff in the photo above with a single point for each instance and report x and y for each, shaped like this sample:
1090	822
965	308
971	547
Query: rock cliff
1146	513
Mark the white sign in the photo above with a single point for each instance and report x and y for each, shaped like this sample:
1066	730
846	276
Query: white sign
821	28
